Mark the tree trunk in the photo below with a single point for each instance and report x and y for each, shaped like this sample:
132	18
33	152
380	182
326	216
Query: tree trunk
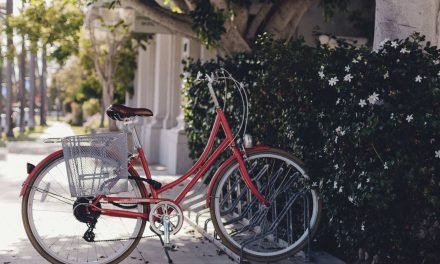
10	45
1	89
107	93
401	18
22	91
101	124
43	86
32	90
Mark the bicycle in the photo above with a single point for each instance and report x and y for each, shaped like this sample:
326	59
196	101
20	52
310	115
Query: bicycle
260	205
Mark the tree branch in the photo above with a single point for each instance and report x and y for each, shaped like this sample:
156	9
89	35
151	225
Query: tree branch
232	41
287	16
182	5
220	4
176	23
241	16
258	20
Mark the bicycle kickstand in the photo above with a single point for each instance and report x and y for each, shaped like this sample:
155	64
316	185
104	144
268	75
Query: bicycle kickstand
165	247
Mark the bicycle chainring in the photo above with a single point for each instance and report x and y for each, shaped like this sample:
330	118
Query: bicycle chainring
166	210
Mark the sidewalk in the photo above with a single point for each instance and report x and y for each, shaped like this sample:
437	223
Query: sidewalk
191	247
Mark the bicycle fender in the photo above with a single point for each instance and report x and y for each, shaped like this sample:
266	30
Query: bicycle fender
37	168
224	166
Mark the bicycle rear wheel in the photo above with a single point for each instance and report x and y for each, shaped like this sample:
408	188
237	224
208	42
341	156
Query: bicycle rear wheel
253	231
57	234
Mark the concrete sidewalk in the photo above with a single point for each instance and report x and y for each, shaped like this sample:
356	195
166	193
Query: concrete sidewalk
191	246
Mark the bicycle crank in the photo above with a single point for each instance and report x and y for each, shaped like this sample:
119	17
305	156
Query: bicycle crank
166	218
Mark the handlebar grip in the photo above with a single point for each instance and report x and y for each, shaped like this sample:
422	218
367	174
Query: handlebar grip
214	97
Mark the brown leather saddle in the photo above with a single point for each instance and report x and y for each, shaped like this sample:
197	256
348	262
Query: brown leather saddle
120	112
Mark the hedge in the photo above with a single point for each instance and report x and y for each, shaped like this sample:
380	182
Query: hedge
366	124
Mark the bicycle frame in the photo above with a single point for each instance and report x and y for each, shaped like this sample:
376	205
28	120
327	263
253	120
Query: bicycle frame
204	162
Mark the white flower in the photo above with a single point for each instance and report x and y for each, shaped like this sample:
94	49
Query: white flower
355	61
321	115
394	44
437	154
409	118
418	79
363	173
340	188
362	103
322	67
404	50
372	99
333	81
336	166
436	62
335	184
363	227
339	131
386	75
348	77
347	68
199	75
338	101
359	57
321	74
385	166
438	73
392	116
351	199
368	180
382	43
359	186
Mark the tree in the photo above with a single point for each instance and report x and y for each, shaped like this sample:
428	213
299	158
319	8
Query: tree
401	18
230	25
55	25
9	55
111	47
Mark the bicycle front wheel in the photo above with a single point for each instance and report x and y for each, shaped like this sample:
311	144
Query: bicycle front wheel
56	231
265	233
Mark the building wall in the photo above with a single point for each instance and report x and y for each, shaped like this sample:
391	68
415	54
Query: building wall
158	87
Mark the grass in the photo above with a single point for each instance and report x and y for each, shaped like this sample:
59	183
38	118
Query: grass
90	126
28	135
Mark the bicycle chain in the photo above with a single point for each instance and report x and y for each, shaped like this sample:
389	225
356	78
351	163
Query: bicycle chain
122	239
94	241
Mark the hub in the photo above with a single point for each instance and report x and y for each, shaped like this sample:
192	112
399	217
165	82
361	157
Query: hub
82	212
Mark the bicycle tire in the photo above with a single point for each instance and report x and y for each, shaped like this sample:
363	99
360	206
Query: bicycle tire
38	242
235	212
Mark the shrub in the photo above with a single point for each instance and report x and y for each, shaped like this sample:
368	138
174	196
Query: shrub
91	107
366	124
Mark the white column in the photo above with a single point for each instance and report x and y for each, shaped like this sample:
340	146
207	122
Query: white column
158	79
173	87
178	152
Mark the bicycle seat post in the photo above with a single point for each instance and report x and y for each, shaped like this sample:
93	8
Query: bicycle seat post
129	127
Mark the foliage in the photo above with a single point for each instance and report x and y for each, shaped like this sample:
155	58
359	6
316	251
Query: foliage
90	107
73	83
56	24
366	125
208	23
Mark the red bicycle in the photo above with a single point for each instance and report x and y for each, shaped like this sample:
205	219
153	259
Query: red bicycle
259	201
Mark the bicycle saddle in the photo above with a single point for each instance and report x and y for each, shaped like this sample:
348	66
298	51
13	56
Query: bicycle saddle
119	112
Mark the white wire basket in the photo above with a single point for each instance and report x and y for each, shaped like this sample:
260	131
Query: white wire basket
96	164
